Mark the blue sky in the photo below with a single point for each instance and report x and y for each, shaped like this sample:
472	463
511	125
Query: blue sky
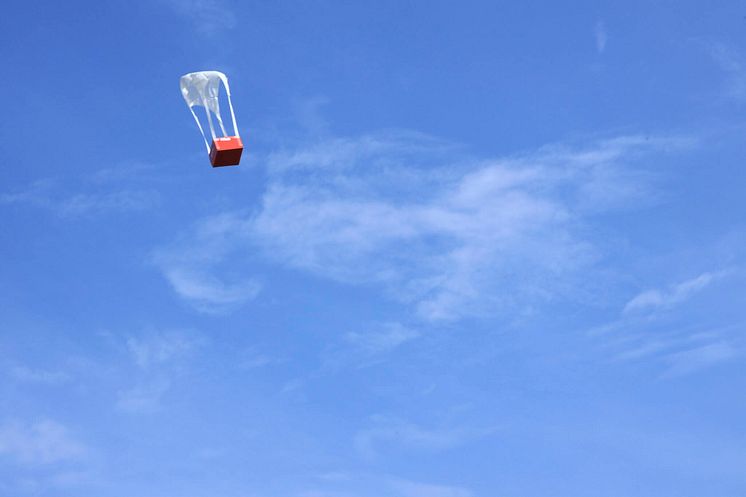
474	249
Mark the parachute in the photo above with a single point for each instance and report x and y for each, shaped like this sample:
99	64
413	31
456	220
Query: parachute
203	89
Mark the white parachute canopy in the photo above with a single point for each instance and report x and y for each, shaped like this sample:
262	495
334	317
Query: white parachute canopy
202	89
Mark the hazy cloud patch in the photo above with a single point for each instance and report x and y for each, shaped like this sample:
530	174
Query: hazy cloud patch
39	443
601	36
386	432
344	484
447	234
82	201
650	300
733	64
692	360
192	266
159	358
39	376
208	17
664	326
388	337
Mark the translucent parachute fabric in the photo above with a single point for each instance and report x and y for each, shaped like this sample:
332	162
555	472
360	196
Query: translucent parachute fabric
202	89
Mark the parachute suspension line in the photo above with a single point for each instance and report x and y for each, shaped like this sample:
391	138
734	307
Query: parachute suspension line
220	121
233	114
230	103
209	118
199	125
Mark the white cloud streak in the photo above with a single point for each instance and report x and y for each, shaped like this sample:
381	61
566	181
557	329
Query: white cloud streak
389	337
692	360
158	357
387	431
40	443
47	195
601	36
155	348
450	235
655	299
656	326
39	376
189	267
120	201
145	397
680	353
732	64
341	484
209	17
417	489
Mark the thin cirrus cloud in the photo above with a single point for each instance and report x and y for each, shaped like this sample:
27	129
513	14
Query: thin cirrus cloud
39	376
145	397
654	326
445	233
208	17
689	361
191	264
39	443
601	35
387	431
155	349
388	337
450	235
419	489
679	353
367	346
208	293
48	194
733	65
157	357
340	484
655	299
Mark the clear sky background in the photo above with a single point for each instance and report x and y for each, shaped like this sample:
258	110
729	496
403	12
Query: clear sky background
474	249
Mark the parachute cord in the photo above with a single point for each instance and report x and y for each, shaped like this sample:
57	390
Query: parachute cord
209	118
220	121
233	114
199	125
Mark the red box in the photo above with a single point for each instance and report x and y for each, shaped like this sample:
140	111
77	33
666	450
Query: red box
226	151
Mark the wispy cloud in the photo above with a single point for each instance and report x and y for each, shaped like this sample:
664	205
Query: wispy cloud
120	201
656	326
449	234
37	193
49	194
39	443
190	266
158	357
417	489
40	376
679	352
388	337
342	484
601	36
252	358
157	348
695	359
208	17
145	397
366	347
655	299
386	431
206	292
733	64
